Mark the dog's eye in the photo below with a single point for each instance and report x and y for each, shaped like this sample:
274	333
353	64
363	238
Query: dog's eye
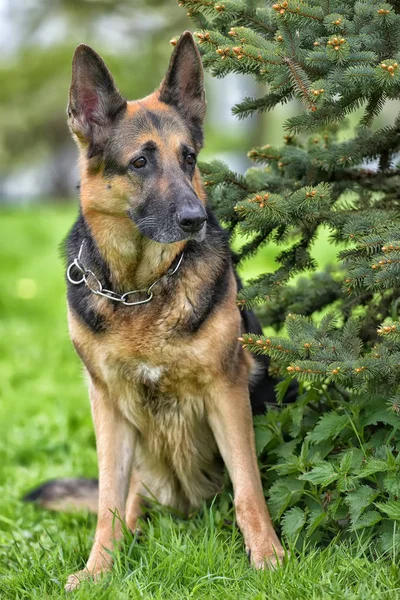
138	163
191	159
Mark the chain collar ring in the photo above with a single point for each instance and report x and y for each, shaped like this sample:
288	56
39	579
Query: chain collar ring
96	287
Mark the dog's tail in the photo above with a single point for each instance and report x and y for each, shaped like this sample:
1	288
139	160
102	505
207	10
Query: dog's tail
68	495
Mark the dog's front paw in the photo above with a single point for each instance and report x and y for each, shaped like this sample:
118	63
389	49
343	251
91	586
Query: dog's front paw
74	580
266	556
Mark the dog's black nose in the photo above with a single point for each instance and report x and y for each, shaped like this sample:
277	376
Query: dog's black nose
191	220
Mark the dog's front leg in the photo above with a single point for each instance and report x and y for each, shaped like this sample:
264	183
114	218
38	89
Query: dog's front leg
231	421
114	441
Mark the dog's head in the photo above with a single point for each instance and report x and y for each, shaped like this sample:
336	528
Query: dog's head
138	158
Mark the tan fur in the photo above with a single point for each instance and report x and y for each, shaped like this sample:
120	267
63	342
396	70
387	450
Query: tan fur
105	207
163	404
175	433
172	443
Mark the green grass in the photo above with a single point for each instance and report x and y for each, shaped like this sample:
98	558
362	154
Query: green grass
46	431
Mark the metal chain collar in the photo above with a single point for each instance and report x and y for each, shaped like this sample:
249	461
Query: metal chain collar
95	286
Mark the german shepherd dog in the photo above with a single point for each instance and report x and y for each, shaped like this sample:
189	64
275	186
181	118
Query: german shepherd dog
153	314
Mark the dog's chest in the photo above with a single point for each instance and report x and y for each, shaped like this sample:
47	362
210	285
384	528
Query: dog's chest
149	375
175	439
159	398
163	386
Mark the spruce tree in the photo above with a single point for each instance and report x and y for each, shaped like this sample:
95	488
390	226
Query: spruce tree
331	460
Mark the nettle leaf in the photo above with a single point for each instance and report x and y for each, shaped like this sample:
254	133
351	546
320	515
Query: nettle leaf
297	414
336	509
346	482
359	500
357	459
287	466
368	519
391	483
386	453
382	415
281	388
322	474
391	509
329	426
284	493
263	437
285	450
293	522
318	452
316	518
389	541
346	462
373	465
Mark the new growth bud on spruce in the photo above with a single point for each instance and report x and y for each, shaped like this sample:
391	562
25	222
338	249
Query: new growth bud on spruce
202	37
223	52
280	8
336	43
391	69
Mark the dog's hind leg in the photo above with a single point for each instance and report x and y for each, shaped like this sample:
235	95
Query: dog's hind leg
115	443
231	421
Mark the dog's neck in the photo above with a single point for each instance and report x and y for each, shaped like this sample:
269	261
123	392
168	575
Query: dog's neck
134	262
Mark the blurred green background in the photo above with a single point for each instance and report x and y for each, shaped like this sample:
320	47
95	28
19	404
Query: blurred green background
37	40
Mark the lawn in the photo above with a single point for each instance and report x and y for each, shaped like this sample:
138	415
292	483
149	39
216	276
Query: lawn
46	431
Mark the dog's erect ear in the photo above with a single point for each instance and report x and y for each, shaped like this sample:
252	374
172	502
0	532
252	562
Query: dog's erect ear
183	85
94	101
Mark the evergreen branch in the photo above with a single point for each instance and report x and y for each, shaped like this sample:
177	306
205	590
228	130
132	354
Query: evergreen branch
263	154
251	247
250	105
309	296
284	8
337	443
249	19
364	176
375	105
301	82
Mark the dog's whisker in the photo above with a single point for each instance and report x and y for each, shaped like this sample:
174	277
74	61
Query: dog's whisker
146	221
